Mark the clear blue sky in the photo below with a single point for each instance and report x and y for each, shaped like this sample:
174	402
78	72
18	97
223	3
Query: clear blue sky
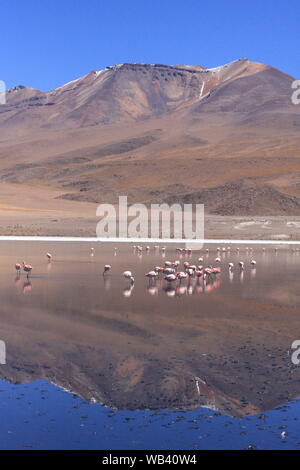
46	43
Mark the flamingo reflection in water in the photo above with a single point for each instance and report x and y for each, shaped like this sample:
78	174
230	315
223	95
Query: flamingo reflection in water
127	291
27	287
152	290
27	268
18	276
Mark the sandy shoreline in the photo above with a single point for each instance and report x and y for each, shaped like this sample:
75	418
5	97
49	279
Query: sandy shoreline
39	211
81	225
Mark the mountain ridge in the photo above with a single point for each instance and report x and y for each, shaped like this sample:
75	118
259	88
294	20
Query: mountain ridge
141	129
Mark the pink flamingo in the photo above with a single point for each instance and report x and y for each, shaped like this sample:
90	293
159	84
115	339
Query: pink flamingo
170	277
128	275
159	269
181	275
198	273
18	267
151	275
175	264
107	268
186	264
190	271
169	271
49	256
27	268
216	270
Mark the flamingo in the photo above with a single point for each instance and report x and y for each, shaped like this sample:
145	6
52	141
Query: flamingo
190	272
253	262
49	256
208	271
27	268
231	266
241	264
168	271
92	251
159	269
128	275
181	275
216	270
218	260
18	267
175	264
107	268
170	277
151	275
198	273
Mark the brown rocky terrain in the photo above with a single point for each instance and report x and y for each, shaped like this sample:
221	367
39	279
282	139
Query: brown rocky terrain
227	137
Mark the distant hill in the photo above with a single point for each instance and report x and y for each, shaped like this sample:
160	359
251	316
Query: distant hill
228	137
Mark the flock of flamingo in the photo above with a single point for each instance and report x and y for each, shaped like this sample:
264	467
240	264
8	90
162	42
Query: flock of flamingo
174	273
27	268
170	270
180	275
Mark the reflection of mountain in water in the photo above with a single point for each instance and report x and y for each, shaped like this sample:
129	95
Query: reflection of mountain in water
225	348
121	365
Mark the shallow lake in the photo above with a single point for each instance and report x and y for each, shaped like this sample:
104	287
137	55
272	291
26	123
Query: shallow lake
94	362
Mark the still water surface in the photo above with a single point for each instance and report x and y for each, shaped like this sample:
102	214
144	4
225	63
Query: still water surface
196	365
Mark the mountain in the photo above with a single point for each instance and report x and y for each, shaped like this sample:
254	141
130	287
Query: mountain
226	136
